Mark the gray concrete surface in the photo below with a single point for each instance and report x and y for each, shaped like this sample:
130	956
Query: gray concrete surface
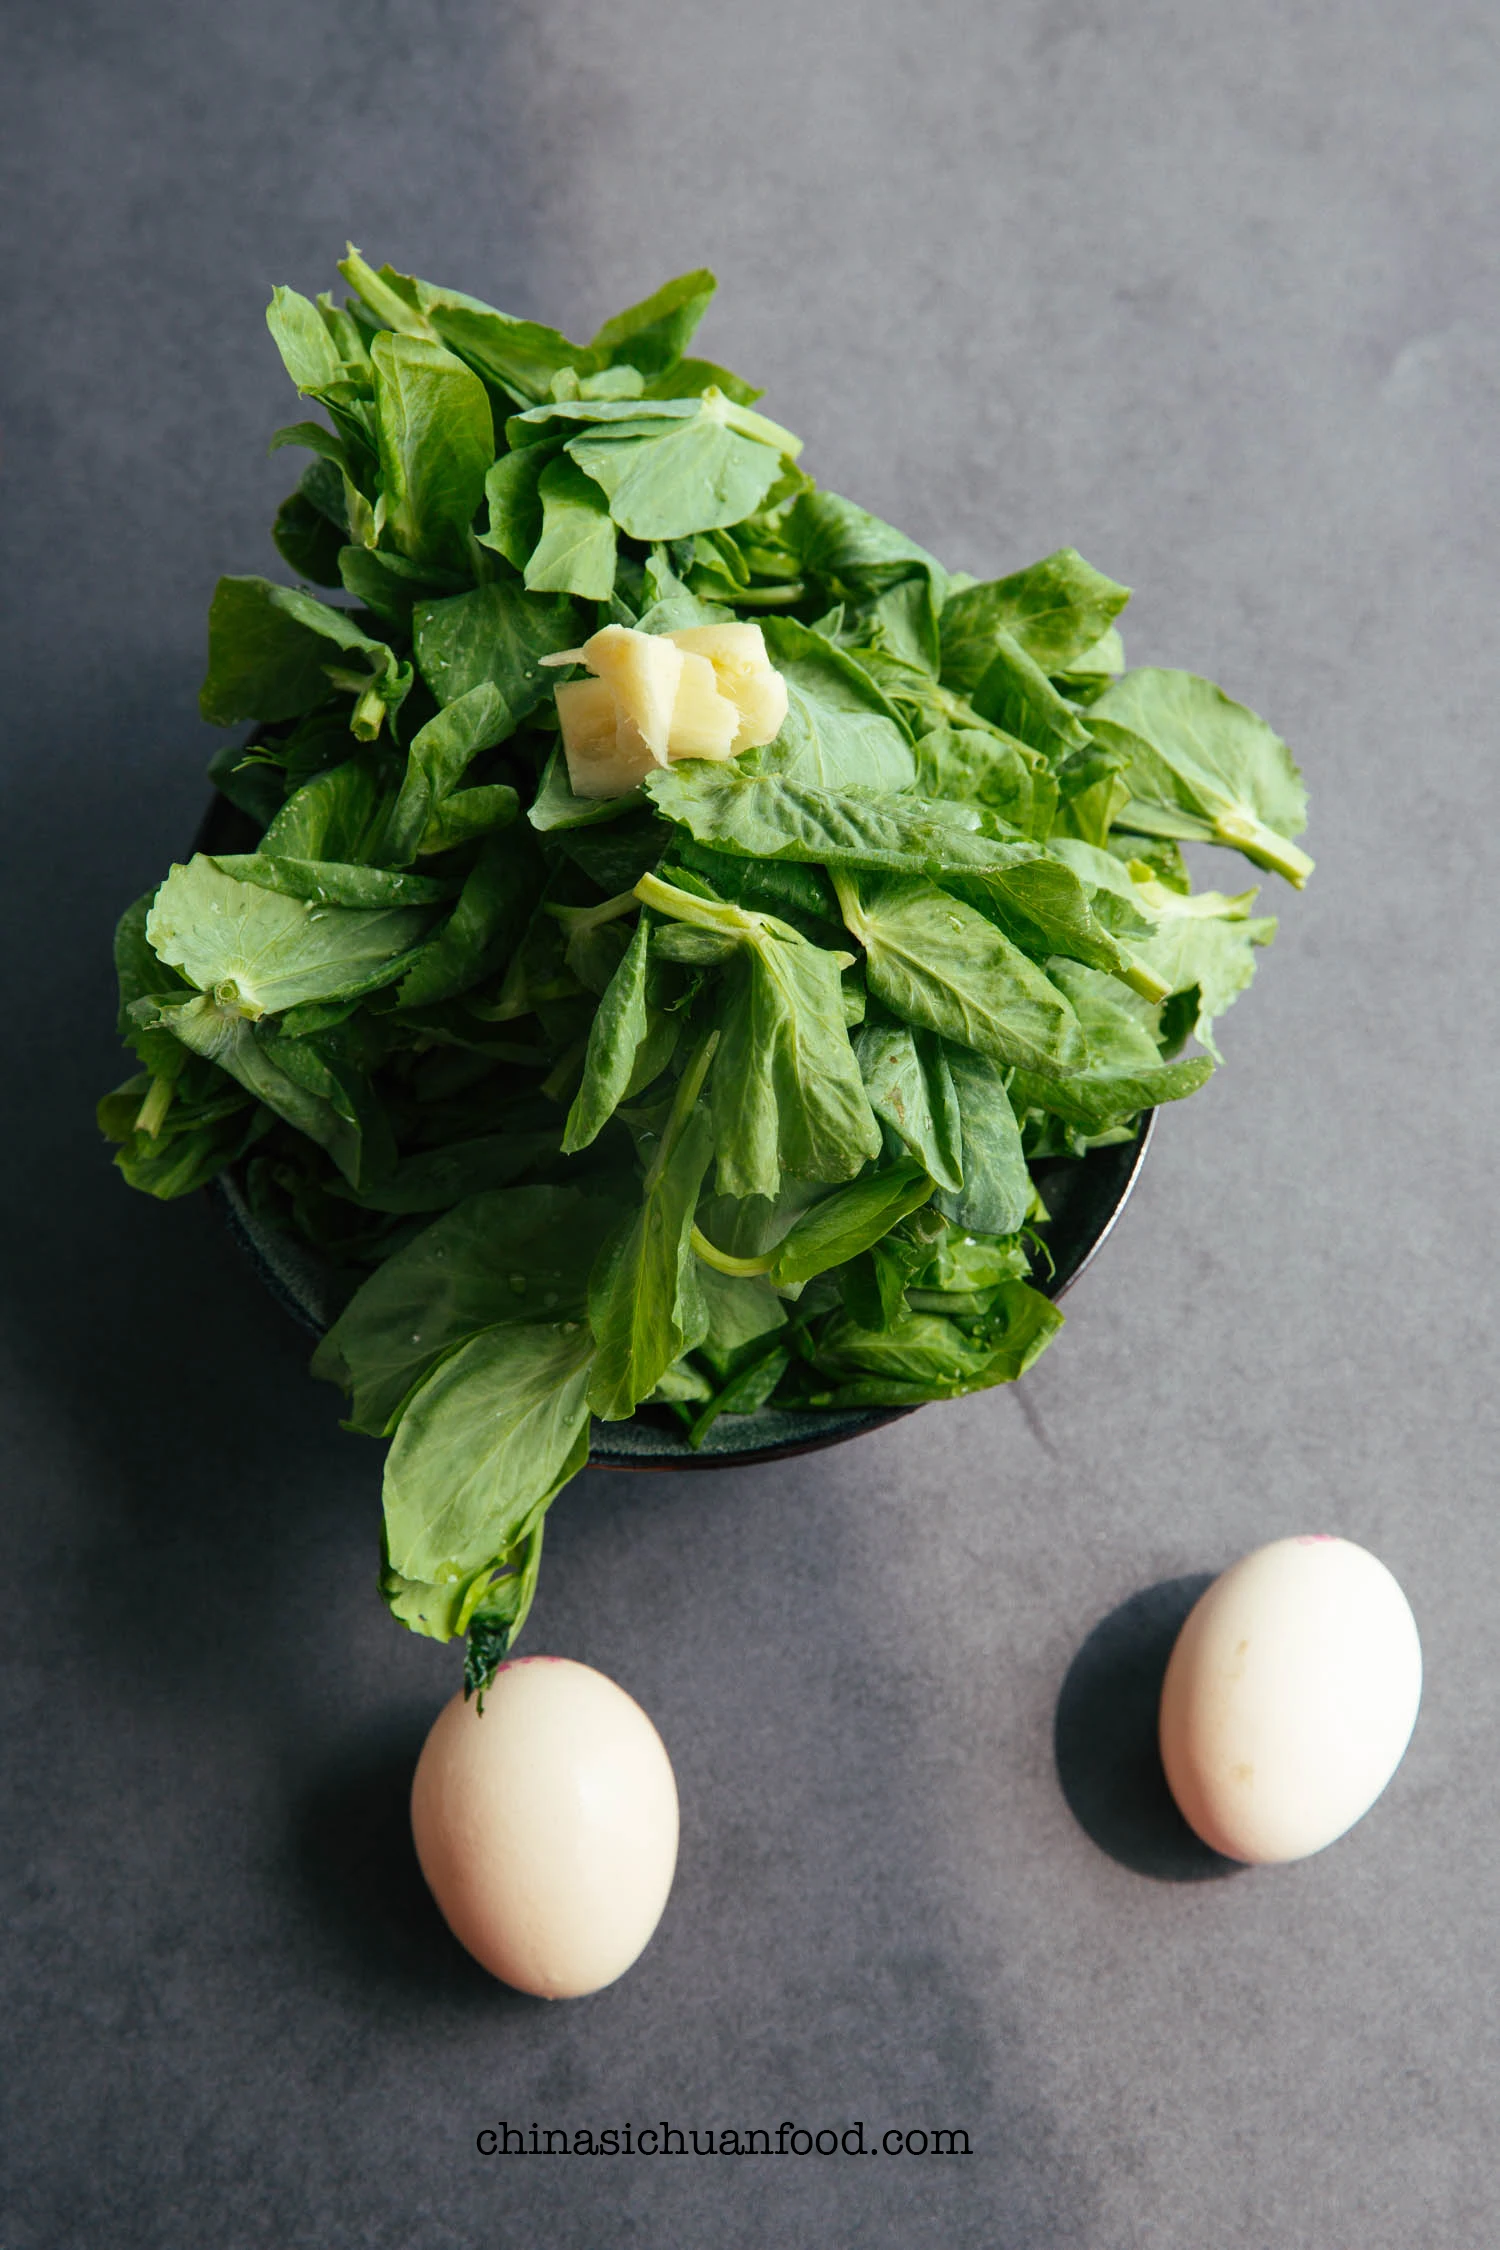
1209	292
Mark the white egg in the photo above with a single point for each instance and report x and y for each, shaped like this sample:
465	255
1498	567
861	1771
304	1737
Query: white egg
546	1826
1290	1698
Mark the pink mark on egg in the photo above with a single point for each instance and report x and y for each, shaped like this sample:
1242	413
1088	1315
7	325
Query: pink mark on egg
1316	1538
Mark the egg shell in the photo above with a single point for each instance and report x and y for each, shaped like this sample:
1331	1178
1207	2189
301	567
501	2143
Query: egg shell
546	1826
1290	1698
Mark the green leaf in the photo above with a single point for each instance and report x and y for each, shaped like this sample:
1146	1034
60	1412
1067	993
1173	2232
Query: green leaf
143	975
616	1037
924	1356
1056	611
436	441
1044	908
270	649
654	334
259	951
787	1095
469	814
223	1036
937	963
520	357
390	585
576	551
495	636
496	903
1125	1073
853	555
440	755
1203	766
690	378
512	491
741	1309
910	1088
305	538
1015	693
983	767
437	1178
519	1254
323	882
493	1432
339	815
995	1193
843	732
311	356
768	816
1210	955
644	1303
849	1221
697	471
745	1393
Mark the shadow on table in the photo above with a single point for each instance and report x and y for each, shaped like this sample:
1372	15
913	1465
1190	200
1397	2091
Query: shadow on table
351	1828
1105	1739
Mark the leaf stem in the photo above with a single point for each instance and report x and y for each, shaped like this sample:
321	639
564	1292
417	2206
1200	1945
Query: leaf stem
578	918
152	1114
684	1102
722	1262
1262	845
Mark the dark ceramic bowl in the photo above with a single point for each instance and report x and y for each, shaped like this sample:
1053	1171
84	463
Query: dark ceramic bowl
1084	1196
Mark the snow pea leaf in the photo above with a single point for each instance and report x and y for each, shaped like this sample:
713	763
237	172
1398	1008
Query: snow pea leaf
497	901
326	882
645	1306
339	814
994	1195
787	1094
436	762
436	441
616	1036
843	732
495	635
305	538
977	766
224	1036
575	553
654	334
1200	765
259	951
512	1254
1125	1073
1056	610
1014	693
511	489
936	963
492	1432
772	817
270	651
911	1090
519	356
924	1356
741	1309
853	556
690	378
391	586
849	1221
697	472
745	1392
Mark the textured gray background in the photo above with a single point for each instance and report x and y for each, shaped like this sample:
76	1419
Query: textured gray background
1209	292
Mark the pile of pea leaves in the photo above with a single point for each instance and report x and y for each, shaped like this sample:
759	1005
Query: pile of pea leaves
721	1094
